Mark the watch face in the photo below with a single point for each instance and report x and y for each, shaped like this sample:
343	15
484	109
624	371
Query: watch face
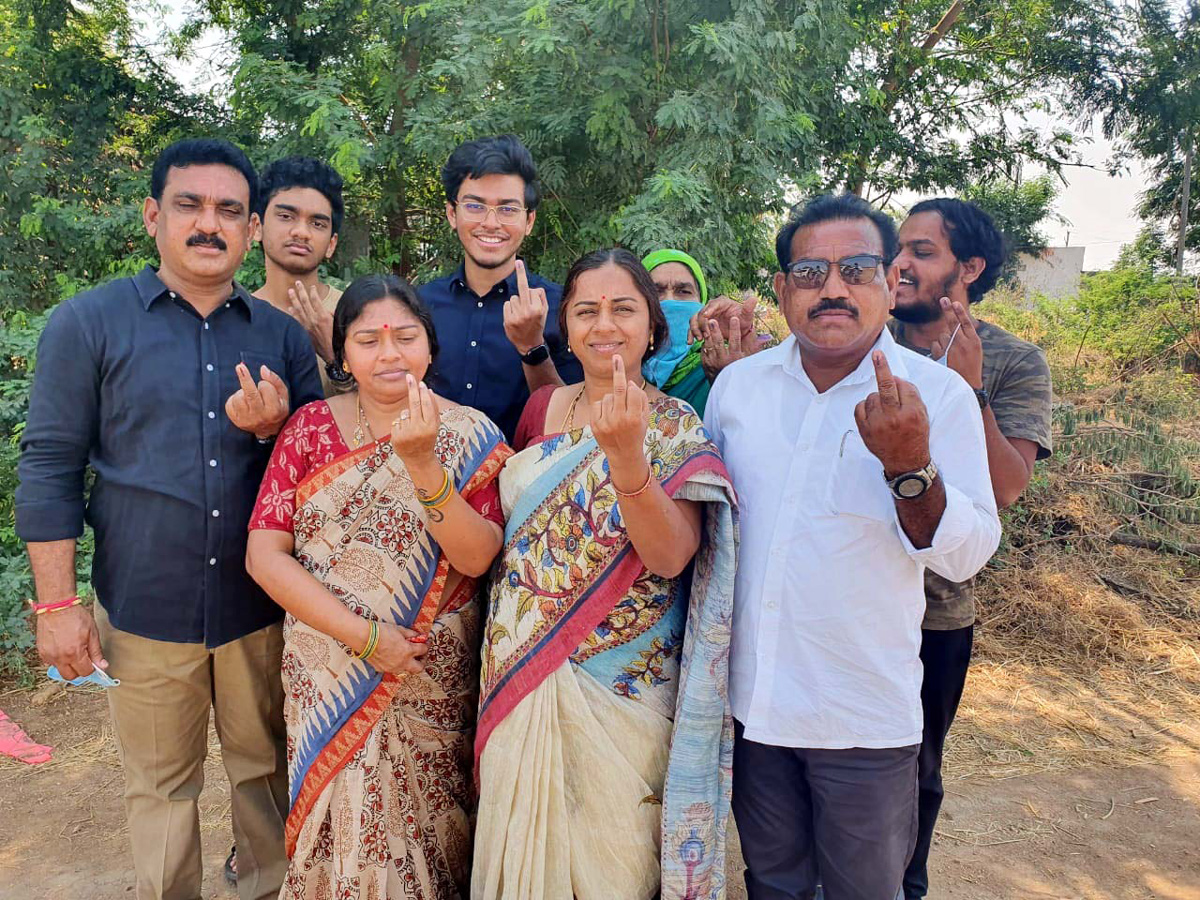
912	486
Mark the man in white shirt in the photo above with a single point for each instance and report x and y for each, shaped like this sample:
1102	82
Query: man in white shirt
857	464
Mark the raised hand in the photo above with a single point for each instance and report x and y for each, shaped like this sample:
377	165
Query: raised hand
965	349
415	431
893	422
316	319
400	650
260	409
525	314
722	310
716	353
620	421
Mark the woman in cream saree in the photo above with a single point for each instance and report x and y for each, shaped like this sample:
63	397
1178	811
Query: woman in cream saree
604	738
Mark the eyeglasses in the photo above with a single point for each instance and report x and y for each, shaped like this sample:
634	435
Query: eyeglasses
473	211
811	274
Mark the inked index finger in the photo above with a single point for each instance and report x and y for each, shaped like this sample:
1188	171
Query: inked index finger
246	380
889	395
619	382
522	281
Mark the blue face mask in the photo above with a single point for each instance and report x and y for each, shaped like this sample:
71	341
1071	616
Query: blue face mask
679	314
98	677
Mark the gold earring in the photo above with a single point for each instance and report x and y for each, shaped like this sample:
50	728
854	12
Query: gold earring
652	342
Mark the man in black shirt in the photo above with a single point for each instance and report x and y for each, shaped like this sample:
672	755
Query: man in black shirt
171	386
497	323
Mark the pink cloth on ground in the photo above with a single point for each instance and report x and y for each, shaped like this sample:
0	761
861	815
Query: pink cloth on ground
15	742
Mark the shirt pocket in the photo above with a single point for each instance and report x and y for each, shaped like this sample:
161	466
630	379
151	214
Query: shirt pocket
856	484
255	360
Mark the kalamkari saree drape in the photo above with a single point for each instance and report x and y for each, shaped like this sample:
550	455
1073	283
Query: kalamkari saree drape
604	738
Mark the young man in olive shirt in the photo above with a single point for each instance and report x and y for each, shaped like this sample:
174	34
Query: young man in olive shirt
950	256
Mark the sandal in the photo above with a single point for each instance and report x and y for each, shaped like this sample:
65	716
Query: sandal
231	866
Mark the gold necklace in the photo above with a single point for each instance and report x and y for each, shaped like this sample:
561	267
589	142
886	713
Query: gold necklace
359	423
570	419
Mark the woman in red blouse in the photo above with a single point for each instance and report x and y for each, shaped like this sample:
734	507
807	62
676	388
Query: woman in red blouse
376	516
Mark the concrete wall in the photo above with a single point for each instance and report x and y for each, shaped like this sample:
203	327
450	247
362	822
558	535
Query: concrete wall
1055	272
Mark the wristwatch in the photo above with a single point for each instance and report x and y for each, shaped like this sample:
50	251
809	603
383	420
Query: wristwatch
911	485
536	356
983	397
337	374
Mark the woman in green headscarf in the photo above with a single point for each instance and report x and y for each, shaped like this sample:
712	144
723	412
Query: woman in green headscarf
682	291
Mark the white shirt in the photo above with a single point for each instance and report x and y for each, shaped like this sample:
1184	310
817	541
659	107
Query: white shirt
829	593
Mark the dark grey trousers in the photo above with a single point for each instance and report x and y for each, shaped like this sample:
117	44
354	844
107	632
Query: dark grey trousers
846	819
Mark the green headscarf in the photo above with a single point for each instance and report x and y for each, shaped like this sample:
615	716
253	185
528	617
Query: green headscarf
691	360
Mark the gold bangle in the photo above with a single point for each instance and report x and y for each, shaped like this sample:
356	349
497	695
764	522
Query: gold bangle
372	641
443	495
645	487
440	496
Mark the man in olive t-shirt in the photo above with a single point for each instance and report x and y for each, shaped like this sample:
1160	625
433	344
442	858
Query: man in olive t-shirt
950	256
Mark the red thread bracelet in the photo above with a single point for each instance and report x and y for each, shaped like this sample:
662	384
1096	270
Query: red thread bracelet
54	606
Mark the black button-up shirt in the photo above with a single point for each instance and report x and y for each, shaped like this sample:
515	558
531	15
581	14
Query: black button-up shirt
131	380
478	366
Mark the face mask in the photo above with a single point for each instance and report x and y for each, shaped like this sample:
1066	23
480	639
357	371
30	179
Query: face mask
944	359
98	677
679	314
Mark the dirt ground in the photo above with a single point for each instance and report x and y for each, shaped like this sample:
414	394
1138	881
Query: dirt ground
1102	832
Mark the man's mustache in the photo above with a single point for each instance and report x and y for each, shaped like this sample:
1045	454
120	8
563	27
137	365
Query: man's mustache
829	304
211	240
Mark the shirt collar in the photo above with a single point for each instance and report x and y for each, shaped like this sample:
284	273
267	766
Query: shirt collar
510	283
150	288
866	368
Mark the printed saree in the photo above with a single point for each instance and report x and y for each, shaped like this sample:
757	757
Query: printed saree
604	740
379	765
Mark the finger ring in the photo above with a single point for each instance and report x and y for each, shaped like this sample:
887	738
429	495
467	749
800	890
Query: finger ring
404	415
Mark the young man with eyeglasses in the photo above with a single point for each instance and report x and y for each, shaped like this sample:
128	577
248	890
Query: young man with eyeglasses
858	464
496	322
950	256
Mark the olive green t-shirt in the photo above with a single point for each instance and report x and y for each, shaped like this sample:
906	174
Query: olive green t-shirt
1017	379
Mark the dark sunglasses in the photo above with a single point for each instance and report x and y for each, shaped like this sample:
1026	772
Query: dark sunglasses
810	274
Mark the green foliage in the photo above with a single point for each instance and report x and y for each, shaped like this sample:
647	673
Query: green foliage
1018	209
1149	99
1137	317
1143	471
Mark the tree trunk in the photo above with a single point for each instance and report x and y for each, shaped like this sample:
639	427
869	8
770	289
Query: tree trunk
1185	200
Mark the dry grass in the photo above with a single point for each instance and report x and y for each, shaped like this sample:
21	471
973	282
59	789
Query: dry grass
1087	653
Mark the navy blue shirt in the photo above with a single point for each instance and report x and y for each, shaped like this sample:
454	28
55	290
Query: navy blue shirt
477	364
133	382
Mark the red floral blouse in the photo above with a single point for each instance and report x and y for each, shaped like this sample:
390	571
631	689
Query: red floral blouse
311	439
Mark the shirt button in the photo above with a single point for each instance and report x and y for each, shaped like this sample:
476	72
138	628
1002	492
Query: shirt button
206	326
212	561
227	303
469	385
216	513
213	463
172	294
480	304
209	367
474	343
772	604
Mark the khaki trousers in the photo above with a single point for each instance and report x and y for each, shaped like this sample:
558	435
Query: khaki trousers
160	716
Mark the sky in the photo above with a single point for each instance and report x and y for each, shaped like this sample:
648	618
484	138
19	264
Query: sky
1098	207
